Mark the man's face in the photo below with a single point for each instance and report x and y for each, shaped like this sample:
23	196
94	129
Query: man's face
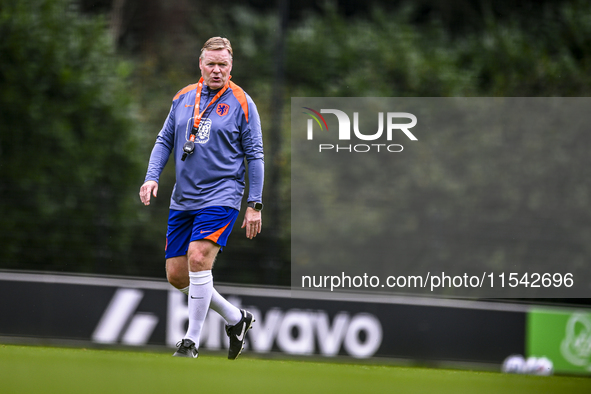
215	67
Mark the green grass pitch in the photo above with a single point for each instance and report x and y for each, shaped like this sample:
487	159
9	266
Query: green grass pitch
31	369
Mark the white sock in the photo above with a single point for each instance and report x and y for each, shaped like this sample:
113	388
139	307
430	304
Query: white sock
185	290
222	306
200	291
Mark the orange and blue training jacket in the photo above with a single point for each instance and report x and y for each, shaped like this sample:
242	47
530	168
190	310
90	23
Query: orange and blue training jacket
229	133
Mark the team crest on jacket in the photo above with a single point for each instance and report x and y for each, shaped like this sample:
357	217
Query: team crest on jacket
203	132
222	109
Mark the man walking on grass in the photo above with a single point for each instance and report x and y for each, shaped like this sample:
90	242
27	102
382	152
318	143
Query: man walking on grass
212	127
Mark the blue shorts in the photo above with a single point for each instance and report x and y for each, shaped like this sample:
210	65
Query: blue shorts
212	223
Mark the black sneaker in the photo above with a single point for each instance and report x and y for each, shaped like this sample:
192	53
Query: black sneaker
237	334
186	348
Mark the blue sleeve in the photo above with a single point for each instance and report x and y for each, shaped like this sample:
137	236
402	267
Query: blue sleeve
162	149
252	142
256	175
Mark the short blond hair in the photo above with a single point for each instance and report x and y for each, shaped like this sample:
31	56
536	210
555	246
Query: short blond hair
216	43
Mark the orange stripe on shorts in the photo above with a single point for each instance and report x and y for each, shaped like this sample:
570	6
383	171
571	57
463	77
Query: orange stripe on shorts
215	236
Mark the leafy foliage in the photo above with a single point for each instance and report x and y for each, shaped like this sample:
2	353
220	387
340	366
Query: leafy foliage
66	141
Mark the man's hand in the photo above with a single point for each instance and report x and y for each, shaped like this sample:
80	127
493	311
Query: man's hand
252	222
147	190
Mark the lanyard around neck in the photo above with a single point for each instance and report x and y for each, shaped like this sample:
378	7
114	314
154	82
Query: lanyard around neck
197	114
189	146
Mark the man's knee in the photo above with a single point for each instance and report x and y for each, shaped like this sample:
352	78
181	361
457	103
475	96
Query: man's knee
178	280
201	255
177	274
198	261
